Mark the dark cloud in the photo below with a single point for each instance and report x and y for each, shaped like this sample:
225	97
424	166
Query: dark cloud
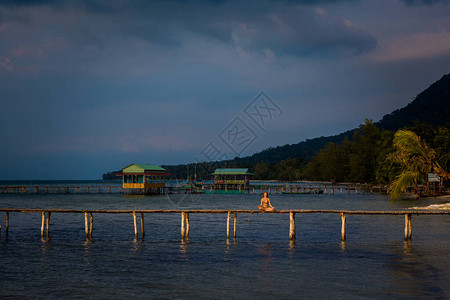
424	2
266	27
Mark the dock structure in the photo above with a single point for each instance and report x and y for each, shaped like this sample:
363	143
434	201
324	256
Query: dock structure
185	226
231	179
144	179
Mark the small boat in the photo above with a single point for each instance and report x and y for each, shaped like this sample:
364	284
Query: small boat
298	192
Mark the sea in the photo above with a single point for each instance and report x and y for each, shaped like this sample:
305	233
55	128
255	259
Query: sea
375	262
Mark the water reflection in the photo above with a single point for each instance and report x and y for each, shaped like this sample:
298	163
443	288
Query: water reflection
292	247
343	246
229	245
407	247
266	265
87	248
45	245
414	275
184	249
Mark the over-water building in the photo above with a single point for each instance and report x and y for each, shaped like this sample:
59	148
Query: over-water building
144	179
231	179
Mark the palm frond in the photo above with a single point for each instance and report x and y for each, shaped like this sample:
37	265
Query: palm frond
401	182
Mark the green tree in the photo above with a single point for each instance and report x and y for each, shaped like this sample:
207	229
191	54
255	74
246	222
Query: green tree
365	152
415	158
261	171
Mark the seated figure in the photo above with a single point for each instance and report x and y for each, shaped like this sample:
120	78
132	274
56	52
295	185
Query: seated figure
265	204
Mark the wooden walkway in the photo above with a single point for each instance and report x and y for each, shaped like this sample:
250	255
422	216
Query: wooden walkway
170	189
185	226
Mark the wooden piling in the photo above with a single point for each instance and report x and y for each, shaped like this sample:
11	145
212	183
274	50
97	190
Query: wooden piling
48	223
182	224
292	226
135	225
6	224
235	220
91	225
228	225
42	224
86	228
187	225
408	227
142	225
343	233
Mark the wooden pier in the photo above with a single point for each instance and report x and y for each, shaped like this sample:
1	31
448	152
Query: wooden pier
185	226
176	189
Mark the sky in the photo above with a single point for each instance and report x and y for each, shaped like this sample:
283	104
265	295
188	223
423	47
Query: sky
88	87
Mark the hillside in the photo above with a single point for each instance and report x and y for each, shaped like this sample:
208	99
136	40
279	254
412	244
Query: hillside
431	106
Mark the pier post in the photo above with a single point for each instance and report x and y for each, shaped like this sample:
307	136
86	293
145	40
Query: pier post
408	227
187	225
235	219
6	224
343	233
48	223
292	226
42	224
182	225
91	228
142	225
86	225
135	225
228	225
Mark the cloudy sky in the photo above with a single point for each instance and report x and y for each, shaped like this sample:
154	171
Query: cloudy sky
92	86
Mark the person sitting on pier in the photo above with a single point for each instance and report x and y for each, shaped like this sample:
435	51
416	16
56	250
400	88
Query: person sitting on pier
265	204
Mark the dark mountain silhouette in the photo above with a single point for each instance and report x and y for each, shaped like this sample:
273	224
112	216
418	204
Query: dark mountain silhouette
431	106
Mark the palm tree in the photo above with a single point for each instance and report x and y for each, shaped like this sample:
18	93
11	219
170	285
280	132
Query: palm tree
416	160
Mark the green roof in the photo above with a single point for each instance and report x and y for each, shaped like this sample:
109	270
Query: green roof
140	168
232	171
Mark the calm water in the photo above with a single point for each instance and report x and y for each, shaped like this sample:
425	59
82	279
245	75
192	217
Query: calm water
375	262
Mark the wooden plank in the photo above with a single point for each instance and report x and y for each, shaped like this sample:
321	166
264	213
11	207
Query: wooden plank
223	211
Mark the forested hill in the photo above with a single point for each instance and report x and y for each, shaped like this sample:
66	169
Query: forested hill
431	106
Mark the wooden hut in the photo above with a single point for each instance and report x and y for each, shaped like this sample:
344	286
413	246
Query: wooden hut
144	179
231	179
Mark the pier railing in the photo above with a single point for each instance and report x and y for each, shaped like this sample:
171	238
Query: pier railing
185	226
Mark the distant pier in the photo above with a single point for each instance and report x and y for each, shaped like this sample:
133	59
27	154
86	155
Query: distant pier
290	188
